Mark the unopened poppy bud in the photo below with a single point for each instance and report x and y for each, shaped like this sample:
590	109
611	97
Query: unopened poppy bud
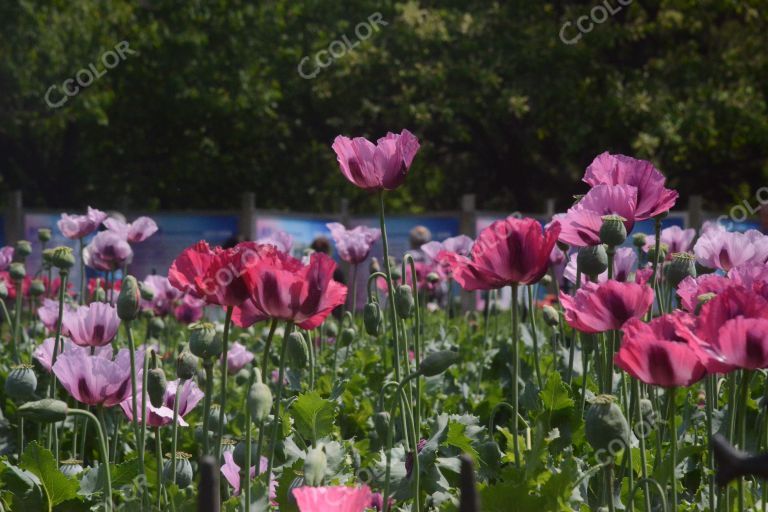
186	365
203	341
213	418
44	235
315	465
156	327
683	264
259	401
551	316
396	274
128	301
348	335
372	318
613	232
331	329
238	454
649	417
183	470
17	271
381	424
662	252
71	467
47	410
156	384
433	277
703	299
147	293
592	260
639	240
62	258
21	383
297	350
22	249
36	288
605	423
404	301
437	362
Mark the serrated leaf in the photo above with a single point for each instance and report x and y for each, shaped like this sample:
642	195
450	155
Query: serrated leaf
40	462
26	488
457	438
554	396
313	416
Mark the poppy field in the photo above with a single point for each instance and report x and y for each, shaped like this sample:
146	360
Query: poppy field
574	364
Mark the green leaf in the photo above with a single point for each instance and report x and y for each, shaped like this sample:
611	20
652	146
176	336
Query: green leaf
313	416
554	396
40	462
457	438
25	487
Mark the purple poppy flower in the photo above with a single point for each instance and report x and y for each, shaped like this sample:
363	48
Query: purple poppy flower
48	313
281	240
107	251
6	257
94	325
190	310
461	245
353	245
164	295
675	238
134	232
44	352
231	472
189	397
724	249
75	227
237	357
93	379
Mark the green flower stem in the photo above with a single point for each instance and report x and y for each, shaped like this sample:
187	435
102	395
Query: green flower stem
278	399
710	400
82	273
53	429
175	428
656	264
208	367
17	321
416	347
312	362
104	454
741	426
134	398
516	376
246	475
7	316
390	286
400	393
223	395
641	440
484	348
353	284
535	336
672	444
267	347
159	457
143	430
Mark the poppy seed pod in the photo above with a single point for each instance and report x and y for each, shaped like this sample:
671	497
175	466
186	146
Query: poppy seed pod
47	410
372	318
62	258
36	288
259	401
156	327
314	467
683	264
17	271
551	316
100	295
47	256
183	470
546	280
437	362
128	301
662	252
639	240
381	424
186	365
238	454
648	415
22	249
21	383
592	260
605	424
297	350
213	418
433	278
613	232
348	335
395	271
71	467
44	235
156	384
203	341
331	329
404	301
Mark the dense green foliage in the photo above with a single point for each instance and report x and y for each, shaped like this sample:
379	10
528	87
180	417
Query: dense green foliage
213	102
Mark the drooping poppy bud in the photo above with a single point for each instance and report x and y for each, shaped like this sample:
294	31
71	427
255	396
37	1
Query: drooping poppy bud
47	410
348	335
551	316
259	401
156	384
297	350
186	365
372	318
404	301
437	362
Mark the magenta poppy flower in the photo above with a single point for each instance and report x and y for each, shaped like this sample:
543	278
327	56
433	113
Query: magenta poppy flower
281	240
624	267
652	197
134	232
382	166
107	251
675	238
231	472
509	251
164	295
189	397
581	223
75	227
743	342
44	352
284	288
338	499
93	325
93	379
190	310
605	306
237	357
657	355
691	288
353	245
6	257
724	249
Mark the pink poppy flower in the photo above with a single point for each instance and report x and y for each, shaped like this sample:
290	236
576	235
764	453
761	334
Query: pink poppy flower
237	357
164	295
581	223
743	342
281	240
624	267
134	232
189	397
6	257
75	227
691	288
353	245
107	251
724	250
44	352
338	499
93	325
190	310
675	238
509	251
231	472
48	313
461	245
606	306
93	379
652	197
382	166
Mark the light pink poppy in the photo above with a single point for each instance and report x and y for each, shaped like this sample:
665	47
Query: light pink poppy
189	397
93	379
337	499
107	251
675	238
134	232
231	472
164	295
75	227
93	325
380	166
44	352
353	245
237	357
6	257
48	313
190	310
281	240
724	250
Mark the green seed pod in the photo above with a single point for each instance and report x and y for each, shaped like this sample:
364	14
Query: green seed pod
683	264
21	383
381	424
71	467
199	439
551	316
404	301
156	384
315	465
203	341
348	335
47	410
17	271
129	299
613	232
605	424
433	278
44	235
186	365
238	454
437	362
639	240
259	401
297	350
592	260
372	318
183	470
662	252
47	255
213	418
331	328
648	415
36	288
156	327
22	250
62	258
146	292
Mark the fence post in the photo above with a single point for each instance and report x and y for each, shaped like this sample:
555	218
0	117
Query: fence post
550	208
13	217
695	212
247	214
468	226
